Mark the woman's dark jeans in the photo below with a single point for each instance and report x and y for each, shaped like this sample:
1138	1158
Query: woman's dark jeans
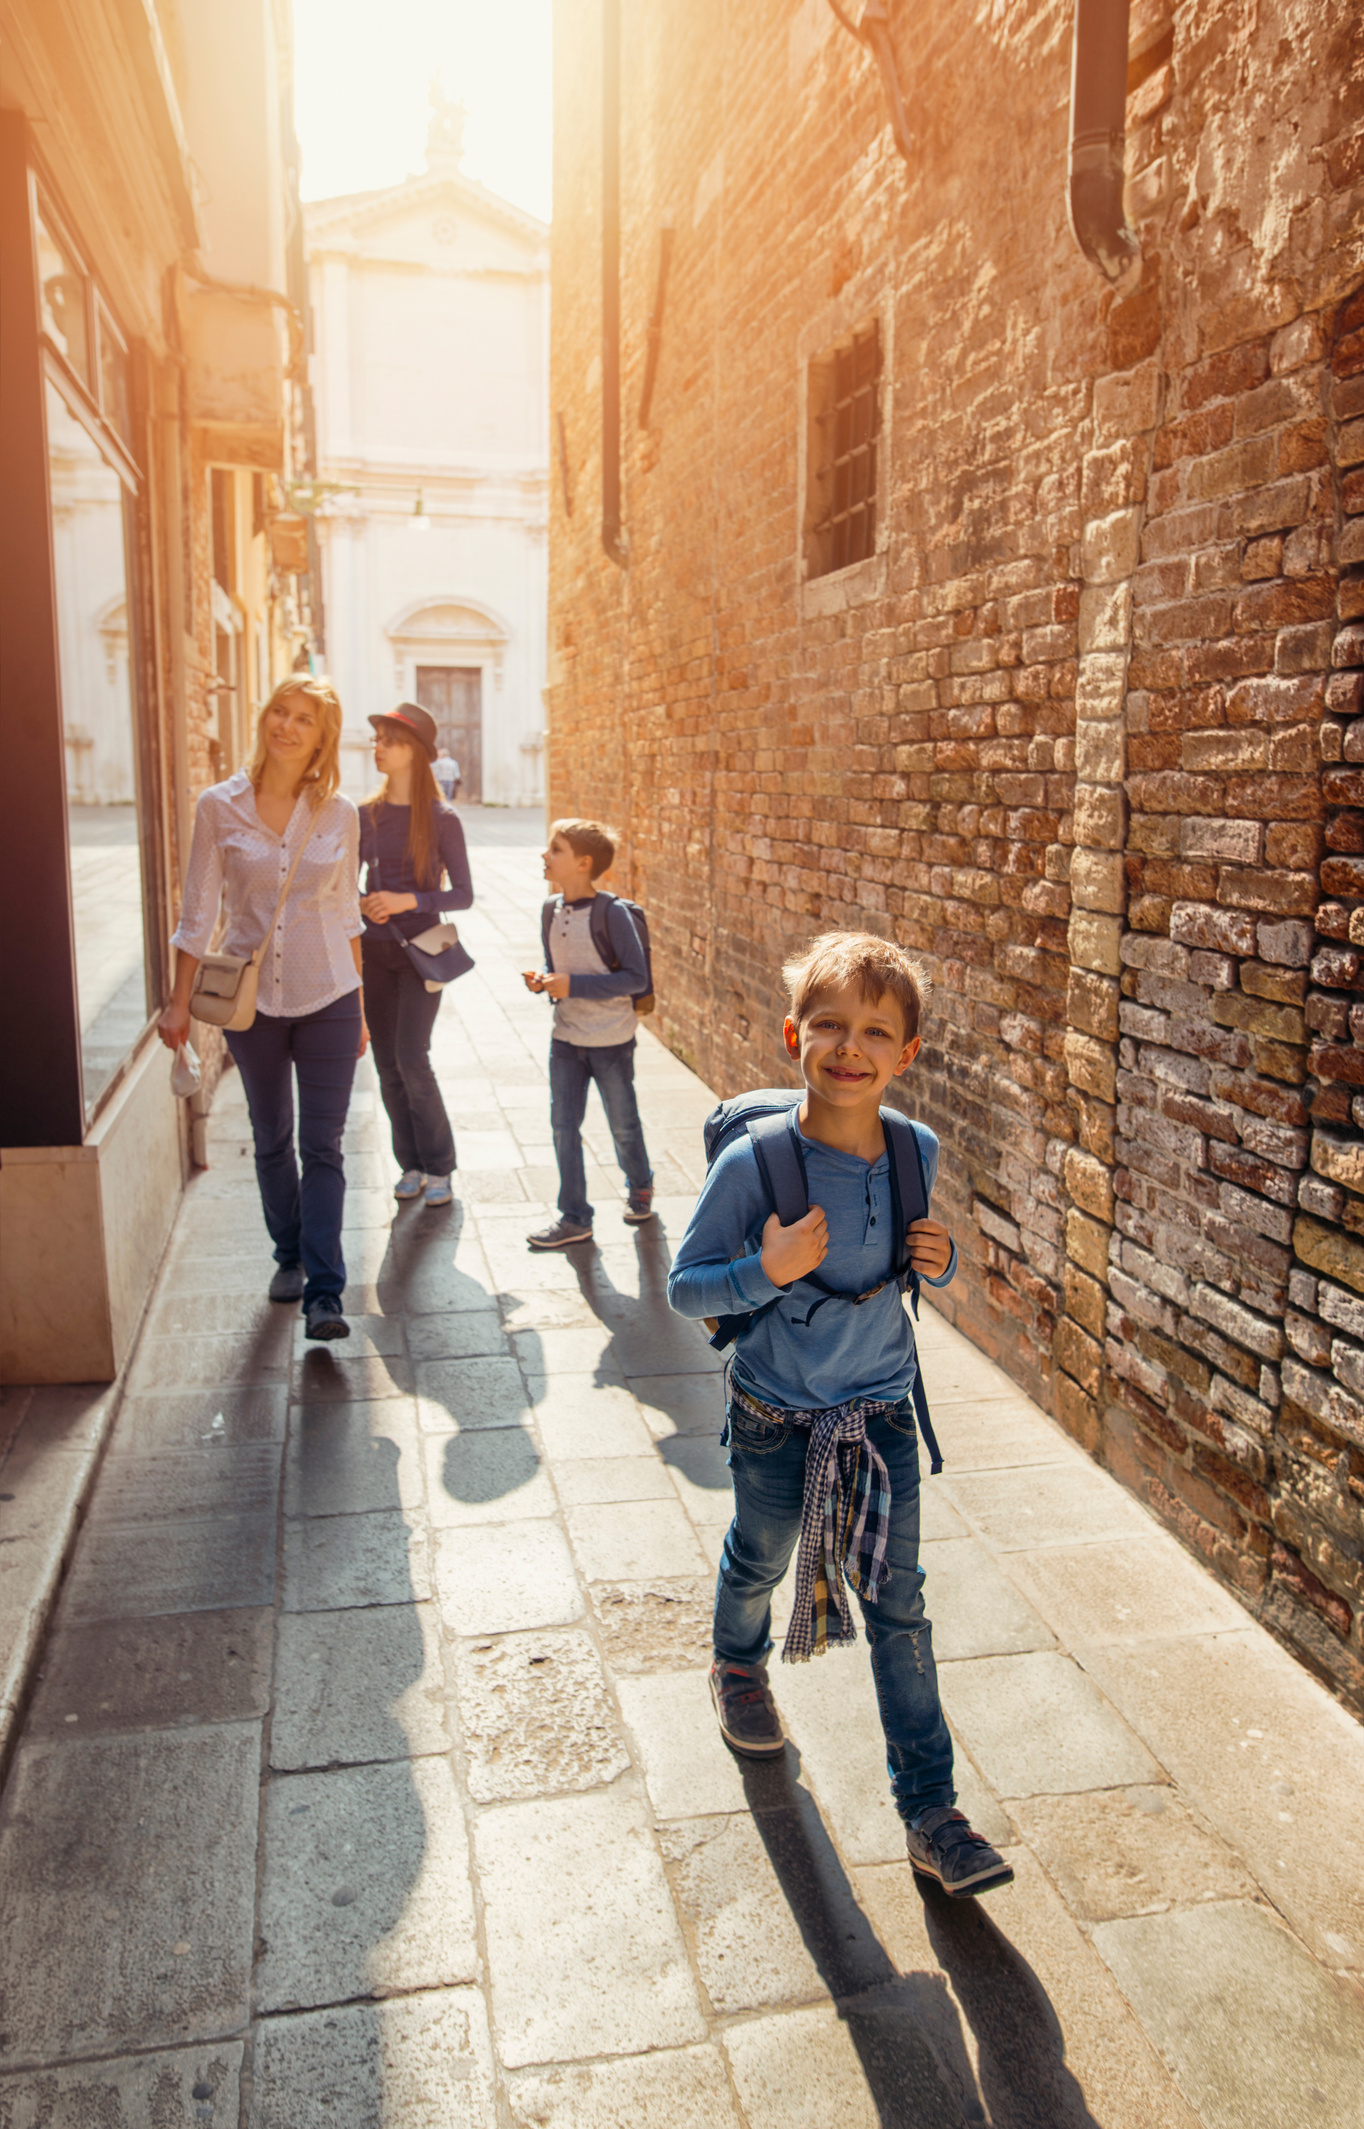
401	1013
304	1214
768	1465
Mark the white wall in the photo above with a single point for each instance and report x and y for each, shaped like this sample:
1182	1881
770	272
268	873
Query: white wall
430	304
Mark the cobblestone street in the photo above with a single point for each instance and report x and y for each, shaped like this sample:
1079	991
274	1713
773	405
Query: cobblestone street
370	1777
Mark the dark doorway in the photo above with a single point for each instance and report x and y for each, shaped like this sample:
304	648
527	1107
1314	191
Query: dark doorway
454	696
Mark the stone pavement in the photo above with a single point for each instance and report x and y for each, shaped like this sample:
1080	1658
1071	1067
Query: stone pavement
370	1778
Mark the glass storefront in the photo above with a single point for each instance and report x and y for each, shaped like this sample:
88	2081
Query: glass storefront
92	537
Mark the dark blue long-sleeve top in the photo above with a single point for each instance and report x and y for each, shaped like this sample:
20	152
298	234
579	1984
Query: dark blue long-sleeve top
383	849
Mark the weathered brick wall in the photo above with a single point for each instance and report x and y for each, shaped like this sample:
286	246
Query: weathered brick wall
1077	736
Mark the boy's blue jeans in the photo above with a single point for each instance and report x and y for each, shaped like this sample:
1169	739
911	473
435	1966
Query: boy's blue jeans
768	1464
572	1068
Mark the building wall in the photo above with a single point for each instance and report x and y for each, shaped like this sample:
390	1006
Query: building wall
430	304
147	170
1080	731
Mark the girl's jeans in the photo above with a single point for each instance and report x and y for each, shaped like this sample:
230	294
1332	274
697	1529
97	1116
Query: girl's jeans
303	1214
402	1012
768	1464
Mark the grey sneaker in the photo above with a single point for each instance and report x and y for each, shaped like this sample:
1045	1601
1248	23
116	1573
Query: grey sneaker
562	1235
439	1190
945	1846
409	1184
287	1284
748	1720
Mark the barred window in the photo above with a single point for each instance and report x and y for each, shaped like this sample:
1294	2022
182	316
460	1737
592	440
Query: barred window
844	403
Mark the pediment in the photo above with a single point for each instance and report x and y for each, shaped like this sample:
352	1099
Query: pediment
441	222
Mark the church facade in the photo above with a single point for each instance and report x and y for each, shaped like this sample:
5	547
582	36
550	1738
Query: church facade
430	304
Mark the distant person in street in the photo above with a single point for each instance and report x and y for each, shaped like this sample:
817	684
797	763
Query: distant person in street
445	769
412	846
594	1029
309	1025
821	1418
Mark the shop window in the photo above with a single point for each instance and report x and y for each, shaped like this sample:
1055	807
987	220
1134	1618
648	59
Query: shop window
843	437
92	512
115	398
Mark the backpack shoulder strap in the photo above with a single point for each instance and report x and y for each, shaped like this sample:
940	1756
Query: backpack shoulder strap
546	916
780	1165
908	1183
599	926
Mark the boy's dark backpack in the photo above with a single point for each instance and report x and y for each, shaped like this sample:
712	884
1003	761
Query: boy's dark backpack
599	926
768	1116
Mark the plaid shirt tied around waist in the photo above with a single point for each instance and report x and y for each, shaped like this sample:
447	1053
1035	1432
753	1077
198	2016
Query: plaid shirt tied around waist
844	1518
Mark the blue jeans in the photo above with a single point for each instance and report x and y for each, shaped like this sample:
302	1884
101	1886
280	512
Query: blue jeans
572	1068
303	1216
768	1464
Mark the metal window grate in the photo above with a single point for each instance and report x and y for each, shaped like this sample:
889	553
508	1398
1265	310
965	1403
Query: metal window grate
844	406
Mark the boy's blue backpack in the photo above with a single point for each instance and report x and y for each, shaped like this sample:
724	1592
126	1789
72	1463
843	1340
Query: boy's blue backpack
599	925
768	1115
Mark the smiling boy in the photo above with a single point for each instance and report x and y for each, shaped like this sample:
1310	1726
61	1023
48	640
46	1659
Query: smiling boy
821	1426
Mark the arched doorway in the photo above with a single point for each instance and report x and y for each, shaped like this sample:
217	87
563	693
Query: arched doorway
448	656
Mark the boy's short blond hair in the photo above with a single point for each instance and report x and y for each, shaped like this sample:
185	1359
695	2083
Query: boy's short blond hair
587	839
837	958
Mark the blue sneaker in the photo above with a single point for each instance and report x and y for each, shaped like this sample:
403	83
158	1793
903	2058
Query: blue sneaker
409	1184
944	1845
439	1190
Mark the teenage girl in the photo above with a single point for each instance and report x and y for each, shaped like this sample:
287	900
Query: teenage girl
411	840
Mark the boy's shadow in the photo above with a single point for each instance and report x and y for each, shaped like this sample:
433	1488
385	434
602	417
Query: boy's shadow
907	2029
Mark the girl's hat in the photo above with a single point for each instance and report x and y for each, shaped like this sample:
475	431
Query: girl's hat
419	722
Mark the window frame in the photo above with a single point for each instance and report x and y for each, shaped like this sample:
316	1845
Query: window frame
864	303
84	402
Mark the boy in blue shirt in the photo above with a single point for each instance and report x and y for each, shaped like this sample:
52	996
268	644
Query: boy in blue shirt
594	1029
821	1426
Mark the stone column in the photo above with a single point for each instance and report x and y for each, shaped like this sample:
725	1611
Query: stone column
1125	414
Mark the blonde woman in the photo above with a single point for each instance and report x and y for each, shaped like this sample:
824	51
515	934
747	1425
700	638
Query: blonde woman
309	1023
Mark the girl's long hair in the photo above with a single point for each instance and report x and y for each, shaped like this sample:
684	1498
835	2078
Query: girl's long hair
322	777
423	850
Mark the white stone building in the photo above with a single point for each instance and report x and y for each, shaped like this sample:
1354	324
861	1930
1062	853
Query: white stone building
431	320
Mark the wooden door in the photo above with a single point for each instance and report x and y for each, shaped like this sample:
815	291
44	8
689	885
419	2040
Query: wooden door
454	696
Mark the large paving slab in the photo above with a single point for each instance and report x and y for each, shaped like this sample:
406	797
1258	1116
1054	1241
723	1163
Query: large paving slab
366	1885
584	1947
1257	2034
127	1888
421	2062
183	2088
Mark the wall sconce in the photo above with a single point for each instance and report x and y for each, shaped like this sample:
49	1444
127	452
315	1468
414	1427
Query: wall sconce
419	521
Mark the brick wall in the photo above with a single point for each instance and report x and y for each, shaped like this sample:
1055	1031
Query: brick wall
1083	733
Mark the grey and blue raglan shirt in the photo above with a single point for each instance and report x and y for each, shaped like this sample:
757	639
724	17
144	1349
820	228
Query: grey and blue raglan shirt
800	1354
600	1006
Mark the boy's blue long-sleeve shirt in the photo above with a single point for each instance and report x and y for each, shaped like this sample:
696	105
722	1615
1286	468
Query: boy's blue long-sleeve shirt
790	1356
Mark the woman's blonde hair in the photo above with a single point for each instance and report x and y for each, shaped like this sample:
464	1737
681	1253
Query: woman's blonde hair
322	777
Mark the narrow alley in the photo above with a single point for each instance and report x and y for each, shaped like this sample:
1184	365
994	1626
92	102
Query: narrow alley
370	1777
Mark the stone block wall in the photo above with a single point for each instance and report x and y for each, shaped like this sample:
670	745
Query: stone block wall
1082	732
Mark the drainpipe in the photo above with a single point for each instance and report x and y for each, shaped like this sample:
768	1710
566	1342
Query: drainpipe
612	538
1098	128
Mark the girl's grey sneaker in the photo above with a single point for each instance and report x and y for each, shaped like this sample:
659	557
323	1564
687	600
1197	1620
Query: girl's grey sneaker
944	1845
562	1235
409	1184
439	1190
749	1721
324	1318
287	1284
641	1206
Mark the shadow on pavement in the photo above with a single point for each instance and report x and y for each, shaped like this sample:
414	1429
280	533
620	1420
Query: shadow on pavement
907	2029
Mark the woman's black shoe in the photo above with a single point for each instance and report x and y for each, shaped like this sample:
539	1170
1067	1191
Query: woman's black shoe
325	1319
287	1284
